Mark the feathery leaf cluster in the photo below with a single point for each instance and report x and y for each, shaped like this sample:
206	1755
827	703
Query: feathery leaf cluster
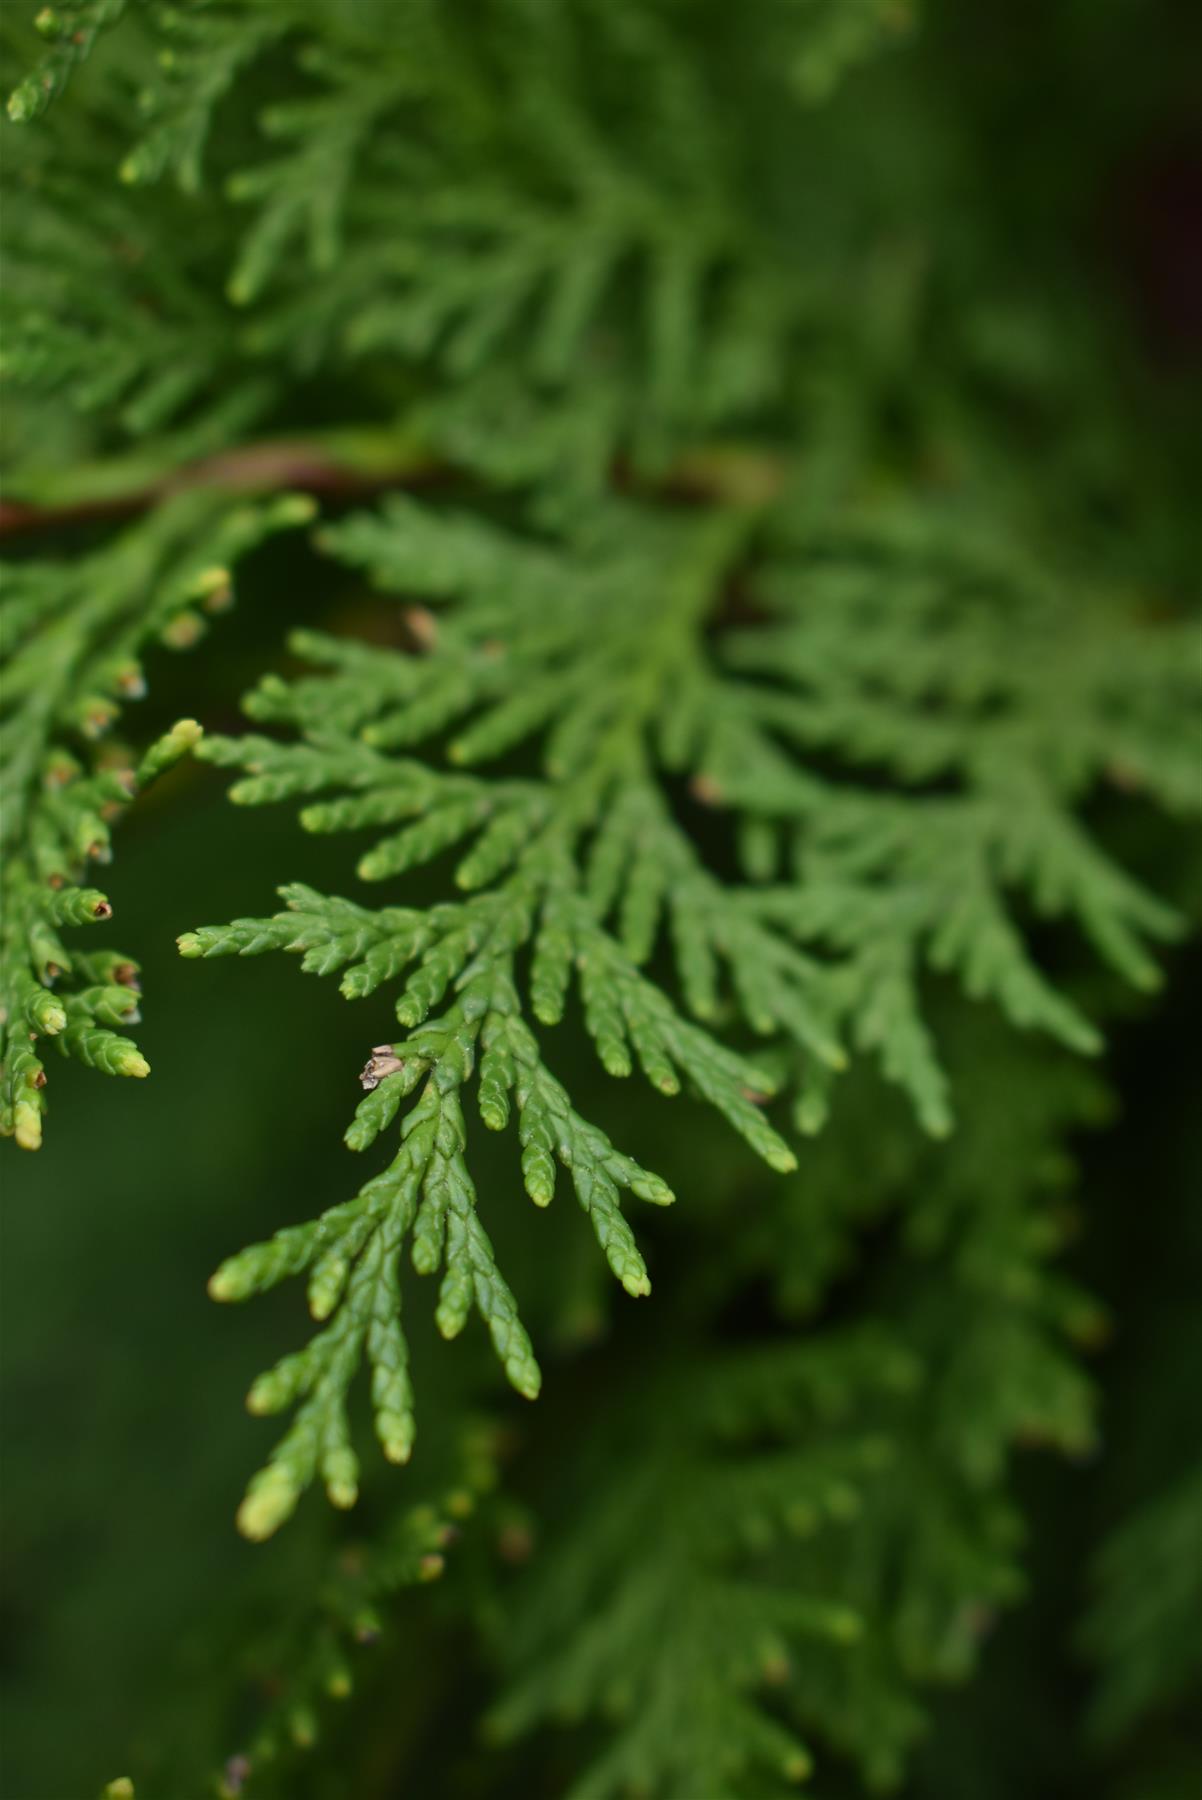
75	633
610	652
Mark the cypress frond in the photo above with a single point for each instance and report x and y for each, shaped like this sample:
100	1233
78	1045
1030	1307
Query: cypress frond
75	634
748	640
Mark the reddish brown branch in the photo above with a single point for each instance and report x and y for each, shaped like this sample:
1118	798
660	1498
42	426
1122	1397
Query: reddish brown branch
250	469
729	473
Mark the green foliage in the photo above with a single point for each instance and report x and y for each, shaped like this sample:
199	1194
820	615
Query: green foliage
751	644
74	635
1144	1625
71	31
593	648
349	1613
762	1551
700	1573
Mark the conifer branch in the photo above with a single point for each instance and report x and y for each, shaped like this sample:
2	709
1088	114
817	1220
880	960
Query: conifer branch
338	464
763	718
71	29
599	647
74	638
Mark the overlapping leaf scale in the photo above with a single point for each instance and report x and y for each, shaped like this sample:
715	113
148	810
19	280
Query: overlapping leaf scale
425	1197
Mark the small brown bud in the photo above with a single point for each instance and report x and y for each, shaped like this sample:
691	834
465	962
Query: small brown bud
422	627
515	1542
235	1773
705	789
383	1061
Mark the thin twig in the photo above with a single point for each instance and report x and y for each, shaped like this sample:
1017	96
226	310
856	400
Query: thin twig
313	467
